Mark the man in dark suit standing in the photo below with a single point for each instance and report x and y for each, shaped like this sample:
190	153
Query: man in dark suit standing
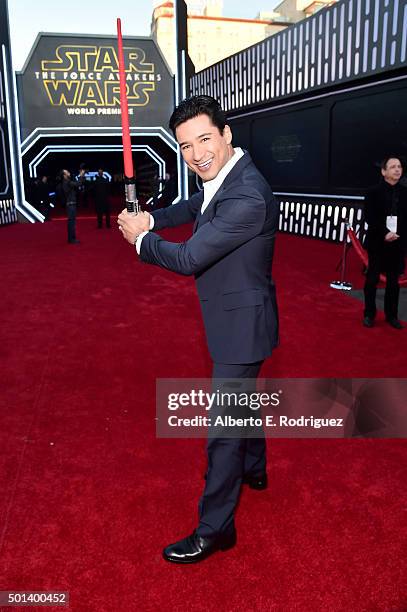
100	190
69	191
230	253
386	239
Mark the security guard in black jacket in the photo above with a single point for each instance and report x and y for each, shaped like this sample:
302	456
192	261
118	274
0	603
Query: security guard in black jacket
386	241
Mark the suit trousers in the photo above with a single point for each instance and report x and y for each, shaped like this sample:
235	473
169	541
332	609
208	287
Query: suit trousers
229	458
390	263
103	208
71	214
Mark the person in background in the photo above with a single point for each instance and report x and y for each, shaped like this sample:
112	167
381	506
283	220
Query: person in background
83	191
101	189
386	241
69	190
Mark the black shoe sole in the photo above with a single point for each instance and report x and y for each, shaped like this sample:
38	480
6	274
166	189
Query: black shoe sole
223	547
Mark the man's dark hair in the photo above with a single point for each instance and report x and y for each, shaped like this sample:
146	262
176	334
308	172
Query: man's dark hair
198	105
383	163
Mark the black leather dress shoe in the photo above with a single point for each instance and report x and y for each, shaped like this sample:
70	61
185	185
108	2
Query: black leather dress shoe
395	323
195	548
256	482
368	322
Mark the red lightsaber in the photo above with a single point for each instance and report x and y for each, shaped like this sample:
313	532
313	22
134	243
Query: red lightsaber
129	178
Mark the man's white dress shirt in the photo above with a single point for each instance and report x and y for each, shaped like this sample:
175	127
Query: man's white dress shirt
209	187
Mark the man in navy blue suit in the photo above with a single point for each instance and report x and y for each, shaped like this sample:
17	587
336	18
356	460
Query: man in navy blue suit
230	254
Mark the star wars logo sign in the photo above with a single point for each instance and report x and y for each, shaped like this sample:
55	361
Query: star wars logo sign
85	79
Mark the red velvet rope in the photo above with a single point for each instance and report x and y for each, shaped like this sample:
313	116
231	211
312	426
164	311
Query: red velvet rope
363	256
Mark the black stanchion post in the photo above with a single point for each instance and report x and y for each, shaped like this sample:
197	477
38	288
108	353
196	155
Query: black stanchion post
342	284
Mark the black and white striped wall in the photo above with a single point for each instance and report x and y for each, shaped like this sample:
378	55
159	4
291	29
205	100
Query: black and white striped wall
318	106
325	220
350	40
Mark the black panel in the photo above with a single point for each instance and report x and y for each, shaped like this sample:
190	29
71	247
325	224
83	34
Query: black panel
289	148
73	81
241	134
365	129
334	147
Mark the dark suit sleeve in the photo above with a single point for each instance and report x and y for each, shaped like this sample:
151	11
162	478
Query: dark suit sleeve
178	214
239	217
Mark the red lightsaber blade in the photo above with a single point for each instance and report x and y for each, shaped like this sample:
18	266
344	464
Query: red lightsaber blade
129	177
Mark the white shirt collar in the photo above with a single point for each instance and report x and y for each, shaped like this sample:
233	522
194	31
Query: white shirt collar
211	187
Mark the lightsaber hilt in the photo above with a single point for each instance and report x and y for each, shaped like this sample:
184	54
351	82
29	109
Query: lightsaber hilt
132	204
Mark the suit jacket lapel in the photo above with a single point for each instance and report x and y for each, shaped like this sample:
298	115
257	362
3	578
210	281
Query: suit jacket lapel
233	174
206	215
196	222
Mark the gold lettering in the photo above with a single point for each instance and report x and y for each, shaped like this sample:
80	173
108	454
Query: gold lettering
61	92
139	94
112	93
65	55
81	69
134	59
106	59
90	93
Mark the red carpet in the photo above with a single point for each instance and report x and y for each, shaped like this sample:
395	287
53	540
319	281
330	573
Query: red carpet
89	496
